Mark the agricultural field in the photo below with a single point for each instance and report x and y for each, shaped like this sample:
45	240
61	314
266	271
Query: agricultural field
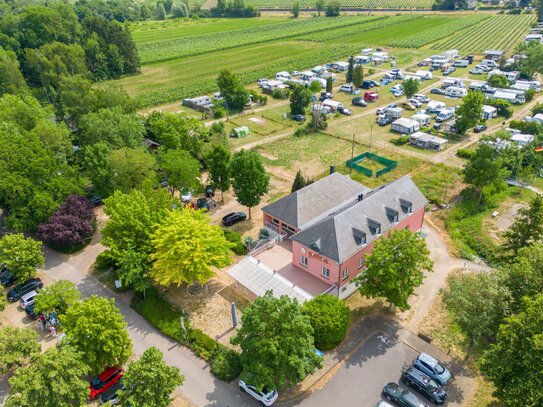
366	4
496	32
183	58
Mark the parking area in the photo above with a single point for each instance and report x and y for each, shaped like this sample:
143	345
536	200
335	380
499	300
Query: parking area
381	359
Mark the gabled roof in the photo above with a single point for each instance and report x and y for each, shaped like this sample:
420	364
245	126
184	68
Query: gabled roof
358	224
316	200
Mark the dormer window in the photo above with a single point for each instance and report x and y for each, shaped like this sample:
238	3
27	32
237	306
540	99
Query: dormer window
375	227
359	236
392	215
407	206
316	245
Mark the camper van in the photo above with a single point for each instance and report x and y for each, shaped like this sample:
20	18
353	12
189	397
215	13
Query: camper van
461	63
455	92
282	76
435	107
425	75
490	63
445	115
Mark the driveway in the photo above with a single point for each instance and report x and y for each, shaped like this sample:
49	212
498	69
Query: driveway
360	378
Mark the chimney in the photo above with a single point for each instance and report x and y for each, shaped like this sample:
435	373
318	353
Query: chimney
332	169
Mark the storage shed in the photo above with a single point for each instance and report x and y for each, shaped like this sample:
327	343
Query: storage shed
425	140
405	126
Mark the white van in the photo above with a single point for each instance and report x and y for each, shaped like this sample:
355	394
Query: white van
490	63
461	63
455	92
346	88
282	76
426	75
444	115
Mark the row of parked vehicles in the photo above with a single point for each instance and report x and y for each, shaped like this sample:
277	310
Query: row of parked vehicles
427	376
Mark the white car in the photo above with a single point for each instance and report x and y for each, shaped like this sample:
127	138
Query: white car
346	88
295	73
186	195
28	299
476	71
422	98
218	96
397	93
383	404
265	397
417	103
262	82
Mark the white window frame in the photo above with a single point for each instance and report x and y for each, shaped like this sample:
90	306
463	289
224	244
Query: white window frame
361	262
345	274
325	274
304	260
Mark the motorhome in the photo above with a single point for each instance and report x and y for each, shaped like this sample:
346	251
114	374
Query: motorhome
425	75
445	115
282	76
435	106
455	92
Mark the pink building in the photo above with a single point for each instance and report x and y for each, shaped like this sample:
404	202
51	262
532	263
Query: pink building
334	222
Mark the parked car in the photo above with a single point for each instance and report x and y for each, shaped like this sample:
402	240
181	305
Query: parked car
202	203
476	71
433	368
407	106
265	397
425	385
298	117
382	403
479	128
30	310
218	96
28	299
186	195
415	102
422	98
327	95
359	101
104	381
380	111
449	70
233	217
295	73
383	121
7	279
402	397
437	91
346	88
344	111
22	289
398	93
110	395
210	191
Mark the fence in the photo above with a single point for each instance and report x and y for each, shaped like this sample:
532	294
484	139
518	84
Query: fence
354	163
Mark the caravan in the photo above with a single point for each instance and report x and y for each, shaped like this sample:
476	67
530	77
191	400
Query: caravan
455	92
282	76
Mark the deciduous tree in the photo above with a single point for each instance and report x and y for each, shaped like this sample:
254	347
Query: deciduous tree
17	345
350	70
329	317
358	76
96	328
98	168
469	112
149	381
57	297
21	255
300	98
232	89
249	178
395	268
132	169
11	78
410	87
498	81
218	162
527	228
276	340
187	247
295	9
52	379
513	363
181	169
320	5
478	303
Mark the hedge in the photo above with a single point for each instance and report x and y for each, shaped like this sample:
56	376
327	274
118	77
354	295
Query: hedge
240	249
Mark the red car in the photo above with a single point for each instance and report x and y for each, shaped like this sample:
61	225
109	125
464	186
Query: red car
104	381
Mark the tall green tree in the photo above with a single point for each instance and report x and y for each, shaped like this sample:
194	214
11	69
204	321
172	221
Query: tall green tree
52	379
57	297
532	62
329	317
358	75
527	228
410	87
160	12
181	169
320	5
513	363
329	84
11	78
300	181
478	303
174	131
498	81
350	70
96	328
21	255
149	381
218	162
469	112
132	169
97	167
232	89
17	345
187	248
300	98
484	169
276	340
249	178
295	9
395	268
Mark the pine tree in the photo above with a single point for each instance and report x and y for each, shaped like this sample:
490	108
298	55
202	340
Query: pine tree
299	182
350	70
358	76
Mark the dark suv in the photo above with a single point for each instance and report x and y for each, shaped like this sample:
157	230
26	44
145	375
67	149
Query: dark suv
22	289
233	217
6	278
425	385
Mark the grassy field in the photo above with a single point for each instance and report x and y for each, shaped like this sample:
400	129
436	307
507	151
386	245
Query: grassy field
371	4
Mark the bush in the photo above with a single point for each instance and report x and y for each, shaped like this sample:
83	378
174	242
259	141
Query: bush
104	261
240	249
465	153
400	141
219	112
202	344
226	364
371	71
280	93
160	313
329	317
530	93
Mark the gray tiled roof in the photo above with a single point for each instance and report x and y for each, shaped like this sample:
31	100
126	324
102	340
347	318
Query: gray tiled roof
316	200
342	234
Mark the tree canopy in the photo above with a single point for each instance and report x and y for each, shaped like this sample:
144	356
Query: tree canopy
17	345
232	89
527	228
276	340
132	168
181	169
218	161
395	268
410	87
469	112
96	328
21	255
57	297
300	98
187	247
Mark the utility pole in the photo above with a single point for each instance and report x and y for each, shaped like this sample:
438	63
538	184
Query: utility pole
352	156
371	123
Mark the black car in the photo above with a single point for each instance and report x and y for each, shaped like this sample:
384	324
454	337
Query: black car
22	289
344	111
327	95
6	278
202	203
425	385
110	395
31	312
479	128
298	117
210	191
233	217
359	101
437	91
402	397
